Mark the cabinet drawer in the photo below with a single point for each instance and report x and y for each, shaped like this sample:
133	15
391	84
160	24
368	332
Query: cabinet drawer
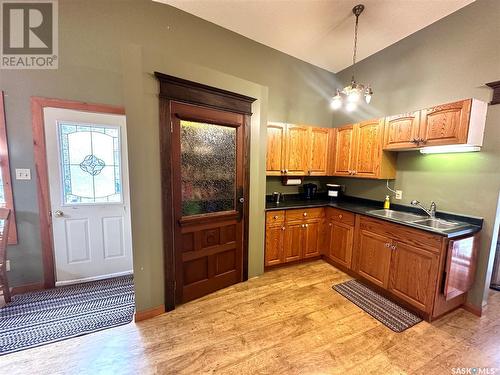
275	217
304	214
401	233
341	216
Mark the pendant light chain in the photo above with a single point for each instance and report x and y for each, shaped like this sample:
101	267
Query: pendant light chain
355	47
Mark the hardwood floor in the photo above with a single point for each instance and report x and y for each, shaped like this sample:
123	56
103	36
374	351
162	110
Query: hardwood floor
288	321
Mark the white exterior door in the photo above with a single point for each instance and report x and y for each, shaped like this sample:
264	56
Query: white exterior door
89	194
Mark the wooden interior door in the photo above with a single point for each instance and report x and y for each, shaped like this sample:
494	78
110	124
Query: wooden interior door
368	150
318	150
402	131
341	242
275	235
374	257
275	149
208	174
446	124
294	241
297	141
413	275
344	147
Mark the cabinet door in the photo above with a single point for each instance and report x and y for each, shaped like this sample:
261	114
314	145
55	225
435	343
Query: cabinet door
318	150
312	242
294	241
341	242
297	150
275	149
368	150
374	257
344	147
402	131
274	245
446	124
413	275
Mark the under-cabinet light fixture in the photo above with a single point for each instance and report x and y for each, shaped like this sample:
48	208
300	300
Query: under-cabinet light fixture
449	149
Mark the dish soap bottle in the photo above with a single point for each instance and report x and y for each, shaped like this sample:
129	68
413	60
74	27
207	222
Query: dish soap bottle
387	202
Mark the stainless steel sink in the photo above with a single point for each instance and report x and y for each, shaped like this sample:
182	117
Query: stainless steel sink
439	224
397	215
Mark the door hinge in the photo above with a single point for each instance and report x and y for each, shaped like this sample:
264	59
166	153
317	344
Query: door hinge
171	127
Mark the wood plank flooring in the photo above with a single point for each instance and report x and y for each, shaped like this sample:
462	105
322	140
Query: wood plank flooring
288	321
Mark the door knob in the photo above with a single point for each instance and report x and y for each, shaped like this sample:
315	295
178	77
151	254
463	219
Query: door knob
241	200
58	213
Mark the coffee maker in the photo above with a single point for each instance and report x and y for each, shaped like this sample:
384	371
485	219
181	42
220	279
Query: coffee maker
333	192
310	191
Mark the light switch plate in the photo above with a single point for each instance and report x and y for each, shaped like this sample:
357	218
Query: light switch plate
7	265
23	174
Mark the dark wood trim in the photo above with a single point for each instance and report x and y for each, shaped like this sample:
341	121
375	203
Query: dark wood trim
5	170
27	288
473	309
42	173
149	313
181	90
293	263
496	92
173	89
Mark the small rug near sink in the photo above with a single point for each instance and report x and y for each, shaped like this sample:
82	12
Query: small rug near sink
385	311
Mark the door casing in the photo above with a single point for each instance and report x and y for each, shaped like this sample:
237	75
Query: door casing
184	91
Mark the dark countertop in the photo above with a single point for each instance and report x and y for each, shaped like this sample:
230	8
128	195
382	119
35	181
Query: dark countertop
361	206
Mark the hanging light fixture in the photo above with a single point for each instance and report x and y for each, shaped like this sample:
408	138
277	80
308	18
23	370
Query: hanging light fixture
352	94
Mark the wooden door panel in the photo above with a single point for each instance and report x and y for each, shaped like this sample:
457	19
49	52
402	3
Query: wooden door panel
460	266
401	131
209	227
319	153
297	140
413	275
312	238
368	149
374	258
446	124
294	241
344	144
275	149
341	243
274	245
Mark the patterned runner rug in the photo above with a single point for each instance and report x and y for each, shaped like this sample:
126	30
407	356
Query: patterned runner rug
385	311
38	318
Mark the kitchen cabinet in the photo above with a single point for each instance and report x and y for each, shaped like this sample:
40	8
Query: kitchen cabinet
374	257
312	238
358	152
413	274
457	123
402	132
339	236
294	241
275	236
319	143
296	150
276	133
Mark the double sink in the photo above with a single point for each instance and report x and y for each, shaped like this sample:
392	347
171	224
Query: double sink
419	220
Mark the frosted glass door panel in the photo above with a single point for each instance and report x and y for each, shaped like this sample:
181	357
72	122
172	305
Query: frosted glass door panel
90	163
208	168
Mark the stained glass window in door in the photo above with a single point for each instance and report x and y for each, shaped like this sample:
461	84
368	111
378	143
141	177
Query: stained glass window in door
208	168
90	163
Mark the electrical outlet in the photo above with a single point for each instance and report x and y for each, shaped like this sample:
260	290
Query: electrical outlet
7	265
23	174
399	194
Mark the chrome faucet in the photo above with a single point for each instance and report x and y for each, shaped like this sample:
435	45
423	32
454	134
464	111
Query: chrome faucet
431	212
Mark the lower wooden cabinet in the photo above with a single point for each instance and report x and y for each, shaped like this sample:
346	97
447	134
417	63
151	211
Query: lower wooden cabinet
374	257
413	275
294	241
274	245
312	232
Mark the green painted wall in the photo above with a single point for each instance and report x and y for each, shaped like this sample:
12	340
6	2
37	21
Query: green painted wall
449	60
108	50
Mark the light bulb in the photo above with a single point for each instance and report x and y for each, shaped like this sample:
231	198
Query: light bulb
368	98
350	106
353	96
336	102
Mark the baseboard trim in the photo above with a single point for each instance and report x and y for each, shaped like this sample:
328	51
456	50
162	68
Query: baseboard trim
94	278
27	288
478	311
149	313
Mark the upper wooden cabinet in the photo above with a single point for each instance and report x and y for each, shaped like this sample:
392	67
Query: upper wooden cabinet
297	150
455	123
275	149
358	152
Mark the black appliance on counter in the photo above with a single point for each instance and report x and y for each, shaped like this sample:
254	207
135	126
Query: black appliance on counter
333	192
309	191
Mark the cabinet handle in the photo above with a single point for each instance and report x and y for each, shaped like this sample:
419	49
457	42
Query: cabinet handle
302	226
286	170
388	245
305	214
340	216
414	140
330	224
393	247
306	225
282	228
276	217
421	140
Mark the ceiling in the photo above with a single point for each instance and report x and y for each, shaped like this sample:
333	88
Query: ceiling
321	31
